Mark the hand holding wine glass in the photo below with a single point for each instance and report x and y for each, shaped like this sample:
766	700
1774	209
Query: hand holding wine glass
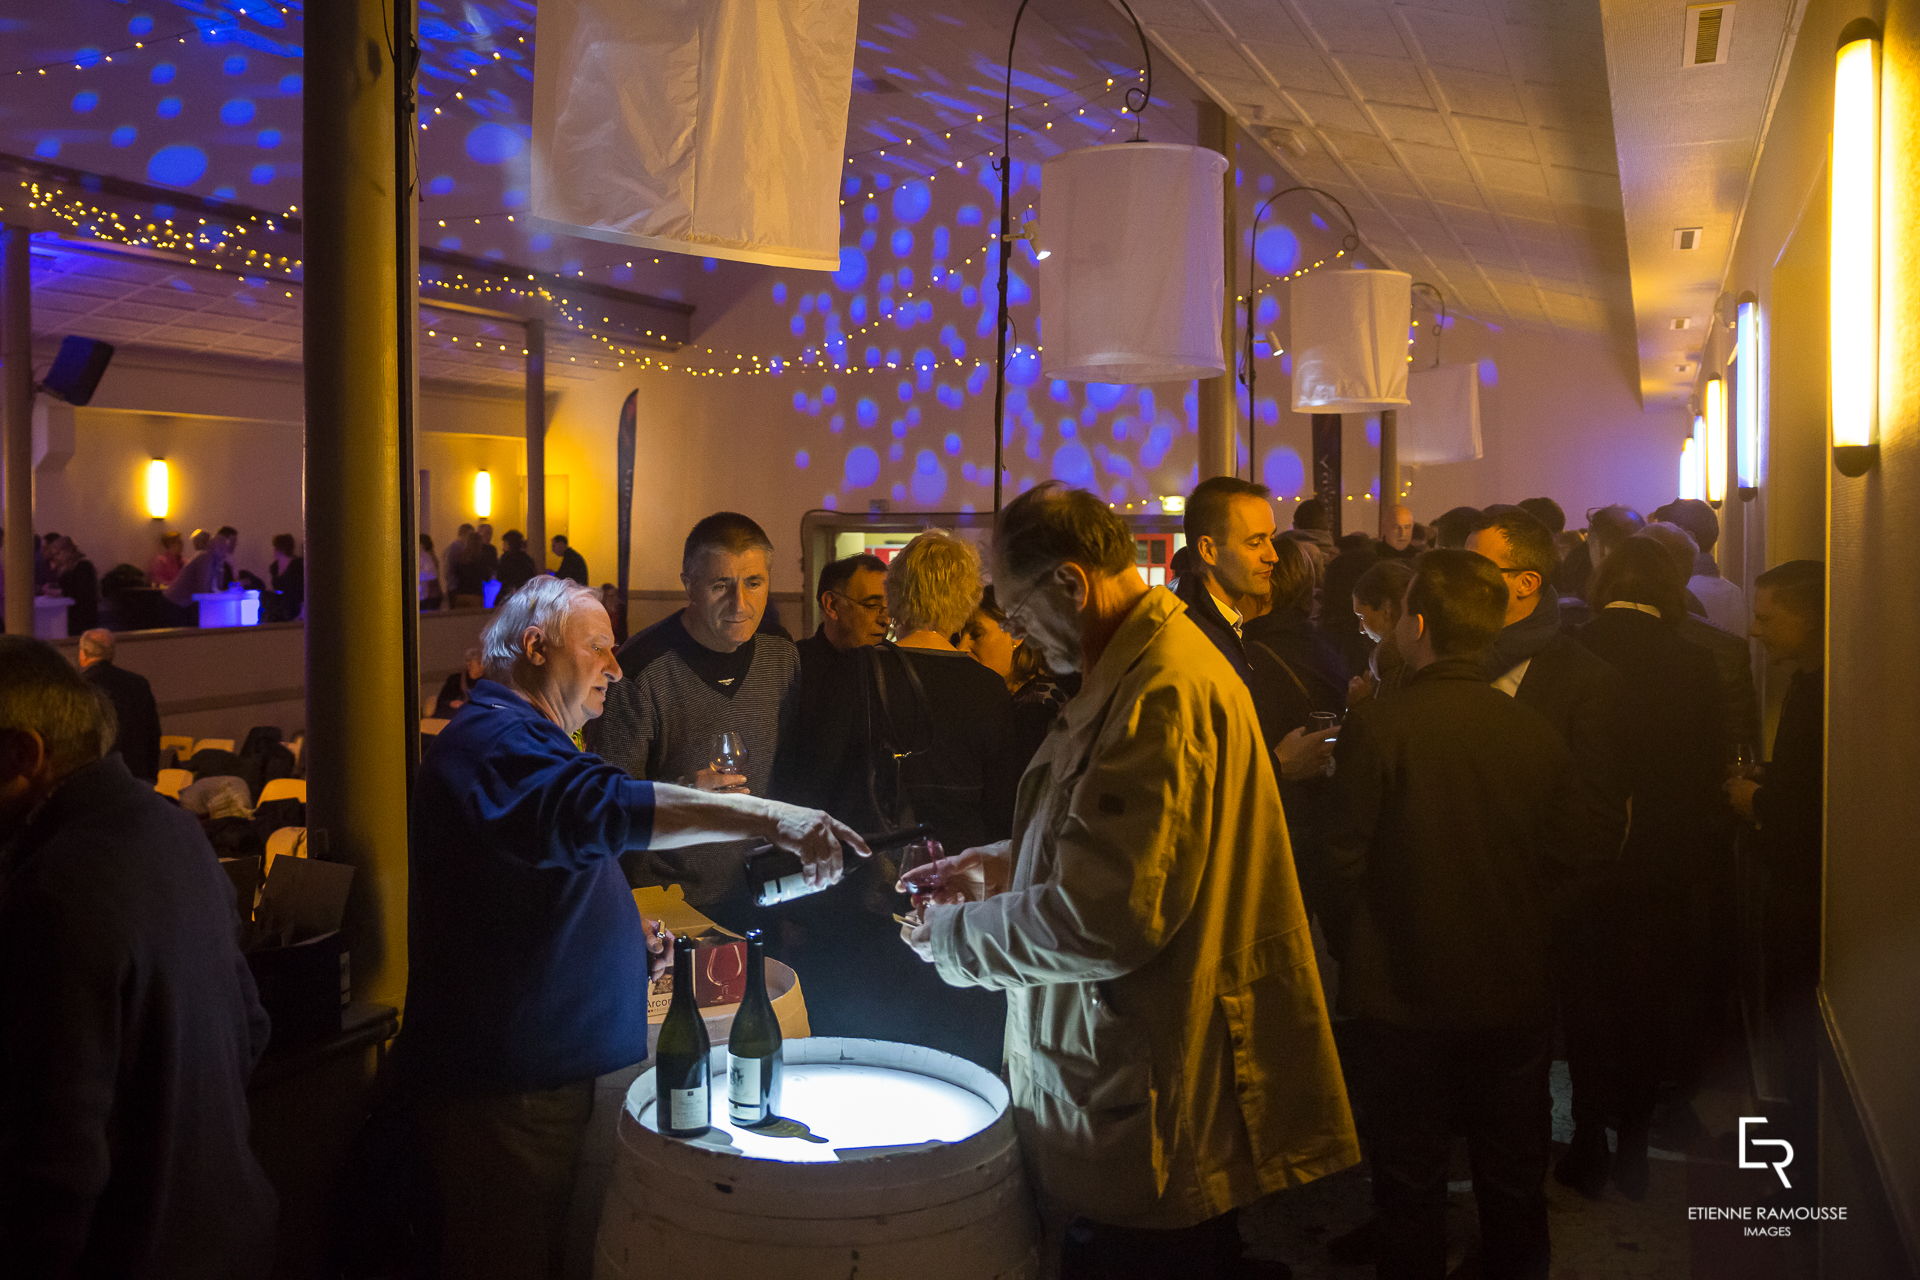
973	875
727	771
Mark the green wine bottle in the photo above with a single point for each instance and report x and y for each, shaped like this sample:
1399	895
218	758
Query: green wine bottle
753	1047
680	1056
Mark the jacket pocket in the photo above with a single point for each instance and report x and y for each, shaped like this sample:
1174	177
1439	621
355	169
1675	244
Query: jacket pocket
1092	1134
1286	1076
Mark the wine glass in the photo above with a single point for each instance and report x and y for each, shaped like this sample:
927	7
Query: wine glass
918	873
1320	722
1742	761
729	752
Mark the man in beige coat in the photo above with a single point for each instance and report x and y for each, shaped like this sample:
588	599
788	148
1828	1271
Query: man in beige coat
1167	1037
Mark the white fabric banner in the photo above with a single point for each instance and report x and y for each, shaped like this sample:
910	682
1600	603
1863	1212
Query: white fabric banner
711	127
1441	422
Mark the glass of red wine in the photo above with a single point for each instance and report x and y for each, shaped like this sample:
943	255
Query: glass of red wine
918	872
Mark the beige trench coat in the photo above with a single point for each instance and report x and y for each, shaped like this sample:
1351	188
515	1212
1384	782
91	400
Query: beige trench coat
1167	1036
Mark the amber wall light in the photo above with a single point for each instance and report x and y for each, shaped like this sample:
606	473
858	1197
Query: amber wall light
1853	340
1716	423
483	495
159	489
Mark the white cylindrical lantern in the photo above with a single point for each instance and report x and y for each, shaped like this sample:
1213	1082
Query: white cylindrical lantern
1133	288
1350	340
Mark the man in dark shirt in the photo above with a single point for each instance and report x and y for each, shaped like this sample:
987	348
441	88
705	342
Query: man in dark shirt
573	565
138	740
529	962
700	673
1447	798
1230	526
1583	698
516	566
128	1020
853	605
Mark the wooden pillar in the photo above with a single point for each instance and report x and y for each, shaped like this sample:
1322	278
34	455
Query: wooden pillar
1389	461
358	304
1326	466
536	512
1218	424
16	423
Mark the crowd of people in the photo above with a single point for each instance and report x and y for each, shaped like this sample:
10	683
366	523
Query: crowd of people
164	593
1502	767
473	573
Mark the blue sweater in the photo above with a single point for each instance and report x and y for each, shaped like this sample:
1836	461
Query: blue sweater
528	961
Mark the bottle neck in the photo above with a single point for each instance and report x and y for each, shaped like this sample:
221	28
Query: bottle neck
683	975
756	971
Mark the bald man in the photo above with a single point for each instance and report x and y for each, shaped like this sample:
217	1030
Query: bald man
138	736
1396	532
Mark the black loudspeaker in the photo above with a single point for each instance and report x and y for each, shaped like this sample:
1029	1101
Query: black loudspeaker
77	369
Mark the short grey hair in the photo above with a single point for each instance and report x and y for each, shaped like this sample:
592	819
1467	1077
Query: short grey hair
97	644
41	693
544	602
933	584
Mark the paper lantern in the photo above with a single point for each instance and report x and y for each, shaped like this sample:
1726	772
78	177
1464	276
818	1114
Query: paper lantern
1133	289
1441	422
1350	340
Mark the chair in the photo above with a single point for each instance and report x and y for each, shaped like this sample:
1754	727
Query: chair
287	842
180	744
216	744
284	789
431	726
172	782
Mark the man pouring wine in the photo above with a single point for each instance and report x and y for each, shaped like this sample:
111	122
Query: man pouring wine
529	961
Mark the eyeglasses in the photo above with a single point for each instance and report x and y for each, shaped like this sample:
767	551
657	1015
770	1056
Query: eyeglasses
1012	611
872	604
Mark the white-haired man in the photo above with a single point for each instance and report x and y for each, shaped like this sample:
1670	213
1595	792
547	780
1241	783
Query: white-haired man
529	963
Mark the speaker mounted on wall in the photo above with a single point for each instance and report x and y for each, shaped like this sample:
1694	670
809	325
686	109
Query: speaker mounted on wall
77	369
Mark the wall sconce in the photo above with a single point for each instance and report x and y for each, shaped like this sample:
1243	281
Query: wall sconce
1716	451
1693	462
159	489
1853	341
483	495
1746	400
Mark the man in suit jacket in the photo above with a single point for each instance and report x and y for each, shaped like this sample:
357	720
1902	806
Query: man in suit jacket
1450	831
1584	700
138	741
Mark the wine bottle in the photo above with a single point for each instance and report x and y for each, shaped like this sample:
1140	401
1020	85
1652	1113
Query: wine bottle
777	876
680	1055
753	1047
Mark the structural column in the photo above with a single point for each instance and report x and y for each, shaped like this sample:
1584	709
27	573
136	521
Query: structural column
1389	462
16	423
536	513
1219	430
359	340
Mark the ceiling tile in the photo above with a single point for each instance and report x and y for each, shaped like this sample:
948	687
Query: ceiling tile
1360	148
1172	13
1253	20
1410	124
1208	53
1435	164
1474	94
1588	151
1512	175
1499	139
1327	111
1386	179
1457	40
1295	66
1353	26
1394	80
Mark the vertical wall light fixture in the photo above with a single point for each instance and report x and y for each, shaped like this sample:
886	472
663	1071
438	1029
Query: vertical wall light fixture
1853	340
1746	398
483	495
159	489
1689	469
1716	454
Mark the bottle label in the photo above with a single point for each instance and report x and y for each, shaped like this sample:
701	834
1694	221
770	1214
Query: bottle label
743	1082
687	1109
784	888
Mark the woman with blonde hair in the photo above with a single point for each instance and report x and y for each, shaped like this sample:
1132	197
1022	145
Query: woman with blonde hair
931	742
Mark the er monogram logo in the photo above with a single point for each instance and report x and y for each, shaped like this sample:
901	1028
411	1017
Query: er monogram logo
1778	1166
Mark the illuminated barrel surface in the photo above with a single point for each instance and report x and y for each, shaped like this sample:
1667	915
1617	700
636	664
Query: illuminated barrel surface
918	1175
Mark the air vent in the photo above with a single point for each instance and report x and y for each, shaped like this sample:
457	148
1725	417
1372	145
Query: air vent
1681	322
1686	237
1709	34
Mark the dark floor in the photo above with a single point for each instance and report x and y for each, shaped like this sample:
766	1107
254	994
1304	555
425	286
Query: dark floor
1612	1238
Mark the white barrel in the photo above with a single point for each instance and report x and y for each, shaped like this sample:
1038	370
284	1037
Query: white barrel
920	1177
